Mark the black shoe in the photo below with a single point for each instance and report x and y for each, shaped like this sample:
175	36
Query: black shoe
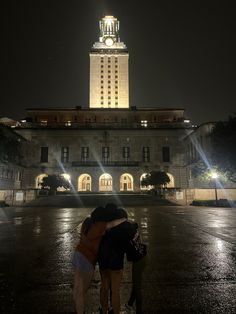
110	311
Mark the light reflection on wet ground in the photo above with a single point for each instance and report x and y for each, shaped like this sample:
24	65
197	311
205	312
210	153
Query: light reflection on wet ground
191	269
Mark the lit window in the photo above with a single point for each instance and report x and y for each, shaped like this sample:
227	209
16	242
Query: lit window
144	123
43	122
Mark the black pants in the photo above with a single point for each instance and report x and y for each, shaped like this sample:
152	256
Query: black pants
136	292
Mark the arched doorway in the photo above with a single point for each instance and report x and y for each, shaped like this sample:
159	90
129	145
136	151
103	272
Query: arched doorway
39	179
84	183
126	182
105	183
171	184
66	177
142	187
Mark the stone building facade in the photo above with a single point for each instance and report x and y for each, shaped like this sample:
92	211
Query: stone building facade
110	145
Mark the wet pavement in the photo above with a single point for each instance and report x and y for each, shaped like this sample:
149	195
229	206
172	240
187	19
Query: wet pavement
191	266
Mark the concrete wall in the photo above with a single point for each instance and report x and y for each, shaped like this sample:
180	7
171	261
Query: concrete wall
17	197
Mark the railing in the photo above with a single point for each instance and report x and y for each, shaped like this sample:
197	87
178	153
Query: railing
105	125
107	163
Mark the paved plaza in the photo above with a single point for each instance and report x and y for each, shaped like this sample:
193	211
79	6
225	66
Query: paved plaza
191	260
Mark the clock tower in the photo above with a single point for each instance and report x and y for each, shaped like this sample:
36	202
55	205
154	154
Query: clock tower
109	70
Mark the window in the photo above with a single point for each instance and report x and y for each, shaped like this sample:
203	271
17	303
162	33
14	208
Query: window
64	154
84	153
146	154
126	152
44	154
144	123
166	154
105	153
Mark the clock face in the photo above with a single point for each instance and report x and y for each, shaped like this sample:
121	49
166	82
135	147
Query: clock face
109	41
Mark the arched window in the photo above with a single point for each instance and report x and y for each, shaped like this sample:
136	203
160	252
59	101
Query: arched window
105	182
126	182
142	187
38	180
171	184
85	183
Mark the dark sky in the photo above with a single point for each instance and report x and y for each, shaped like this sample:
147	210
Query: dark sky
182	54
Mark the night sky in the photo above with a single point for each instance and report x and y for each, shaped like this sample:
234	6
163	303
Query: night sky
182	54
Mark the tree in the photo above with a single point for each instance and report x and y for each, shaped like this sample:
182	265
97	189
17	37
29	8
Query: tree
158	179
223	139
54	181
220	154
10	146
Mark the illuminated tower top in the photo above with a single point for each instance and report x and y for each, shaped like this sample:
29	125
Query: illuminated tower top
109	68
109	34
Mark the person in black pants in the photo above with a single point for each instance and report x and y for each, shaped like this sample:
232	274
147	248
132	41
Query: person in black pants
116	242
136	253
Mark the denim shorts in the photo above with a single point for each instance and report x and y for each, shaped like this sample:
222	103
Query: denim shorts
81	262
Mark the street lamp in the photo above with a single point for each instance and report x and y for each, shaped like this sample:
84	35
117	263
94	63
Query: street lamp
214	176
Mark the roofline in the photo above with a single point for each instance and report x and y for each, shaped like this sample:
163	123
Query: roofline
105	109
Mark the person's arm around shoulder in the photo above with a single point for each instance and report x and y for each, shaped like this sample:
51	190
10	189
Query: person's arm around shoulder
115	223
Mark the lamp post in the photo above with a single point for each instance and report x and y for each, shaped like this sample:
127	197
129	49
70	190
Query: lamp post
214	176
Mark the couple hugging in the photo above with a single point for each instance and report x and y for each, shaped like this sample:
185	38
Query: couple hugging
106	236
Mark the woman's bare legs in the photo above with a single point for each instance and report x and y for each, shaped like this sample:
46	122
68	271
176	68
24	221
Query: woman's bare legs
81	284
